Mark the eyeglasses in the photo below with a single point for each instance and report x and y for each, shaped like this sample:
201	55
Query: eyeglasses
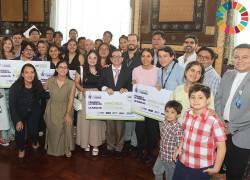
28	49
116	57
203	58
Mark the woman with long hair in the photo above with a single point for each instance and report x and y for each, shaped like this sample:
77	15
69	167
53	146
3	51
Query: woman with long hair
59	112
104	53
42	50
25	108
6	127
54	56
7	49
89	132
193	73
72	56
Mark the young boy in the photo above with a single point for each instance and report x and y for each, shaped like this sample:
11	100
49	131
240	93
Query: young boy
171	134
203	134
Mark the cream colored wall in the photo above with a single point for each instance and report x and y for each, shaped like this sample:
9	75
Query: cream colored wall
219	49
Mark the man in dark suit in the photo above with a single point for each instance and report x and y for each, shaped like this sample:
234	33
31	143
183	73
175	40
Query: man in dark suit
132	59
115	78
158	42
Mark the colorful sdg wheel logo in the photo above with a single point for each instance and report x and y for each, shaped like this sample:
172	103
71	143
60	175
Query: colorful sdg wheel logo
221	12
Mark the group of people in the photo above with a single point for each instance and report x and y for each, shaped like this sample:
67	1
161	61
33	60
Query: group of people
206	119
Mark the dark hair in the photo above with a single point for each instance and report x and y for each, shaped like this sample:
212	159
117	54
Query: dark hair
161	33
59	33
42	42
34	30
18	33
57	65
244	45
109	55
54	46
99	40
168	50
195	63
148	50
81	38
199	87
36	88
175	105
86	64
123	37
133	34
72	40
213	55
108	32
2	44
26	43
191	36
50	29
73	30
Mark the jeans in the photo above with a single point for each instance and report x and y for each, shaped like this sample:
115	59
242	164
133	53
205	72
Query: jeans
161	166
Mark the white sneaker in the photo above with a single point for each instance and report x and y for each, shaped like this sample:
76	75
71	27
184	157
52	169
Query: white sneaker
87	149
95	152
40	133
4	143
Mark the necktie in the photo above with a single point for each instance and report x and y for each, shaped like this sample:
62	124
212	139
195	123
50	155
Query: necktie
117	71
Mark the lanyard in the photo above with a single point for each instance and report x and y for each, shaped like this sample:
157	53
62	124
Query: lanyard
164	84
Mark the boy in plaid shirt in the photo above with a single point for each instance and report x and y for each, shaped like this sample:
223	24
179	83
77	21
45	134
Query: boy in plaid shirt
203	148
171	134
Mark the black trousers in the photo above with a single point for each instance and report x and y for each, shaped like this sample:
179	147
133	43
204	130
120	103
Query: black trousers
147	133
182	172
236	160
30	129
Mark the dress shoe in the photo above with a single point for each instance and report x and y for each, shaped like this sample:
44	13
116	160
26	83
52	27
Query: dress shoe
148	160
107	152
118	155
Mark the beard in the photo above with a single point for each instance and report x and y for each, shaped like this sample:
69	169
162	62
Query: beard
188	49
132	47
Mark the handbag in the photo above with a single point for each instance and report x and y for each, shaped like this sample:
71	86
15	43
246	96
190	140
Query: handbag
77	104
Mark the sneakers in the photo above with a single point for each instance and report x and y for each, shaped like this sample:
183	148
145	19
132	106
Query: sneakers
87	149
4	143
95	152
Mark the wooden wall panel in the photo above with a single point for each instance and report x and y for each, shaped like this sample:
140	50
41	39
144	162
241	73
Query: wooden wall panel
176	10
36	10
12	10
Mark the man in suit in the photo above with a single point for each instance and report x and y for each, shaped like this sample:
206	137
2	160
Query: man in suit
158	42
232	105
132	59
115	78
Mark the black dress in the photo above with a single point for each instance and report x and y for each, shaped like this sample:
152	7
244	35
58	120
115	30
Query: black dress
74	63
89	80
25	107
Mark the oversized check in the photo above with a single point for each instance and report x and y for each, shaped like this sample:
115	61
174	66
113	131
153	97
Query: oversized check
148	101
10	70
100	105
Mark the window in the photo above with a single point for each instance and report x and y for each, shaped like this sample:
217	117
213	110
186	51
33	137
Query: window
92	17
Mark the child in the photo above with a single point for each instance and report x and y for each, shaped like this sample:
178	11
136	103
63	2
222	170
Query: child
171	134
203	134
